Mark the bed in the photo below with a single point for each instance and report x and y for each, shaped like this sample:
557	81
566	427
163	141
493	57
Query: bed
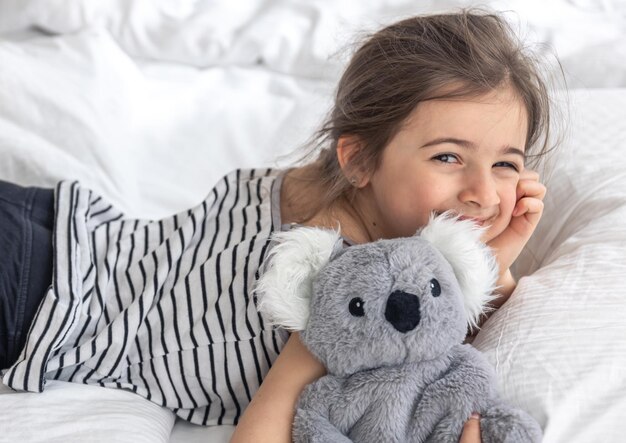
149	103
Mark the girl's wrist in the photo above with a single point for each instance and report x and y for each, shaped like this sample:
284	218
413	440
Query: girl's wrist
504	288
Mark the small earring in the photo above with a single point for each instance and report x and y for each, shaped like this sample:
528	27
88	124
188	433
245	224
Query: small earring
353	181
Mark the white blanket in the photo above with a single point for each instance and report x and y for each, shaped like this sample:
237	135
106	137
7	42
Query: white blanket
150	103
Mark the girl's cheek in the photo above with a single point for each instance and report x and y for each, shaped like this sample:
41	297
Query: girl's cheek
509	201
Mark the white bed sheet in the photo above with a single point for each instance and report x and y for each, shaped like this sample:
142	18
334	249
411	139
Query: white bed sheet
304	38
114	97
129	130
71	412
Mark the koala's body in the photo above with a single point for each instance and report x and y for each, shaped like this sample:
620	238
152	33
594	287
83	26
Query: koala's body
403	405
387	319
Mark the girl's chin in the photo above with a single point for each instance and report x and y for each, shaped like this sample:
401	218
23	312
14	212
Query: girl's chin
486	238
491	233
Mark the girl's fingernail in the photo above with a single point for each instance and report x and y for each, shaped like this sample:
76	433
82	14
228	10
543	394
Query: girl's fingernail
475	415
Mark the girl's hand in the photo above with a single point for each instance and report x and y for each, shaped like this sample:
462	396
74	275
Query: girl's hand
471	430
526	215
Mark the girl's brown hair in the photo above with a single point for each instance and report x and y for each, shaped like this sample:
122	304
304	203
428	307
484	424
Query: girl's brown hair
428	57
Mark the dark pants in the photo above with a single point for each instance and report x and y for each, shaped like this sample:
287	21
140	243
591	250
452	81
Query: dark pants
26	223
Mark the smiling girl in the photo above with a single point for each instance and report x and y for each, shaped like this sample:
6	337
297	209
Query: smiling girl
433	113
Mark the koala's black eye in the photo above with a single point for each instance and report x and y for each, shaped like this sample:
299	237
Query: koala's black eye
356	307
435	288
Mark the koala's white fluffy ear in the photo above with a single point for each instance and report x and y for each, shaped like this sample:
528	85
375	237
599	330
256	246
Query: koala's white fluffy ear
473	262
284	289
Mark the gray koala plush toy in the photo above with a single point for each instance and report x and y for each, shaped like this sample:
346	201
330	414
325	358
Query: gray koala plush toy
388	320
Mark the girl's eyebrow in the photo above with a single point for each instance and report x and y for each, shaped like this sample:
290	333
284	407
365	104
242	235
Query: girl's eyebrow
466	144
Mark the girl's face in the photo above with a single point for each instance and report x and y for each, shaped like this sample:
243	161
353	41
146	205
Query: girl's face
463	155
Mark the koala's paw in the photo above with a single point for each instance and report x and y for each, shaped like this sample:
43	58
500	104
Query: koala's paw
504	424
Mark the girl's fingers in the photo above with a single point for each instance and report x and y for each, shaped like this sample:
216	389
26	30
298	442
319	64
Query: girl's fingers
530	206
471	430
530	188
525	218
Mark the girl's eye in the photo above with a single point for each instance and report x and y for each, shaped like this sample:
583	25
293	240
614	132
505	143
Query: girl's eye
446	158
507	165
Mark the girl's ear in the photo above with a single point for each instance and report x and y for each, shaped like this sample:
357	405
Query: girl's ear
348	148
285	287
472	261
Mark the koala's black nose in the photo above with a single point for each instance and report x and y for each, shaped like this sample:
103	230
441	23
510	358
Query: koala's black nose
403	311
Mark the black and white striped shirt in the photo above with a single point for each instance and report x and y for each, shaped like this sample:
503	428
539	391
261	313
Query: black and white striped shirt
163	308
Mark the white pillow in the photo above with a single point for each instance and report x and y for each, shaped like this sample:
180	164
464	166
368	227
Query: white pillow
559	343
76	413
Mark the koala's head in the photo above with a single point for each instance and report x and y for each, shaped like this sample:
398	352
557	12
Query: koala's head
383	303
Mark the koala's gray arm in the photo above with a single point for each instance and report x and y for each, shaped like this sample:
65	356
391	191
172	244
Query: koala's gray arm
312	420
445	405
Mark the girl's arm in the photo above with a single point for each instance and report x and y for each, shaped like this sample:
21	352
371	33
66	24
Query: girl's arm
269	415
506	285
509	244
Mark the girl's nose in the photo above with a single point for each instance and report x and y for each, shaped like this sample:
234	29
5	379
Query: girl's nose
480	190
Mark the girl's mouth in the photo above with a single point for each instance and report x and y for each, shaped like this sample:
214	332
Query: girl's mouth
476	220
